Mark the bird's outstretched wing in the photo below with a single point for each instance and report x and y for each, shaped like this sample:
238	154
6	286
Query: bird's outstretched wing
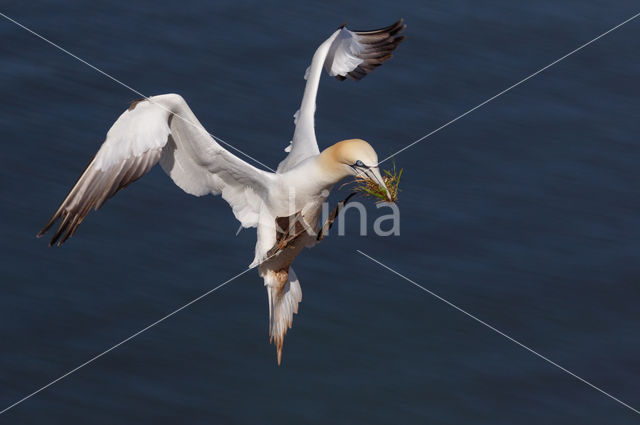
163	129
346	54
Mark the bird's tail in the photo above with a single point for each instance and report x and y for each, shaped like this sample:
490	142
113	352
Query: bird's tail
284	294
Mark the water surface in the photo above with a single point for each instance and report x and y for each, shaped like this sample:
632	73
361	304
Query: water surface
524	212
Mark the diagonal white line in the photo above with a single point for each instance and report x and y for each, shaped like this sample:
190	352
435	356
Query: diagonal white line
498	331
509	88
91	360
132	89
372	259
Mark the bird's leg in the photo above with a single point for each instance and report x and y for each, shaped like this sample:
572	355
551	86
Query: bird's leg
324	229
287	230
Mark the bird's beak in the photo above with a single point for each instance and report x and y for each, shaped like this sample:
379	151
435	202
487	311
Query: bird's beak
374	174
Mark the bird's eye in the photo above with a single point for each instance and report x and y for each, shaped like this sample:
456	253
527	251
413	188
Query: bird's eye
359	163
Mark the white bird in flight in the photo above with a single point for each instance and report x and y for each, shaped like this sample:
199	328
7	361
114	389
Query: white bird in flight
284	206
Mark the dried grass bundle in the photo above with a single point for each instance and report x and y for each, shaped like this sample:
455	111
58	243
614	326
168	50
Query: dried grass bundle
369	187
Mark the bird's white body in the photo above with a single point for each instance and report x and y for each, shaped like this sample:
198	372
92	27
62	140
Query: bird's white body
164	129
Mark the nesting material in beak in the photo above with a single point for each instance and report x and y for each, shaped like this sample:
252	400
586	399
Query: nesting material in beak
383	188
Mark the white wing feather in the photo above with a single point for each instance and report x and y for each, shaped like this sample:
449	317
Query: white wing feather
162	129
342	57
346	54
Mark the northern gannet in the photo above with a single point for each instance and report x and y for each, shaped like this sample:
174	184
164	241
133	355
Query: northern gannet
284	206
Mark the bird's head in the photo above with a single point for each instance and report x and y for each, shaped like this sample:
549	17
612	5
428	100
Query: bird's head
353	157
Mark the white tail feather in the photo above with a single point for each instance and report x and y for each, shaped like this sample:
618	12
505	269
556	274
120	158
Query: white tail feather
284	294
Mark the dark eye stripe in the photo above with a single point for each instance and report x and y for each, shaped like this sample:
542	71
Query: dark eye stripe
360	164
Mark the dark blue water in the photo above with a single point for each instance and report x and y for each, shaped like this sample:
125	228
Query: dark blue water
525	213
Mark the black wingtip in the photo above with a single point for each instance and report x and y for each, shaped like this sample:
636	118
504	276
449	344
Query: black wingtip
64	230
47	226
378	46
